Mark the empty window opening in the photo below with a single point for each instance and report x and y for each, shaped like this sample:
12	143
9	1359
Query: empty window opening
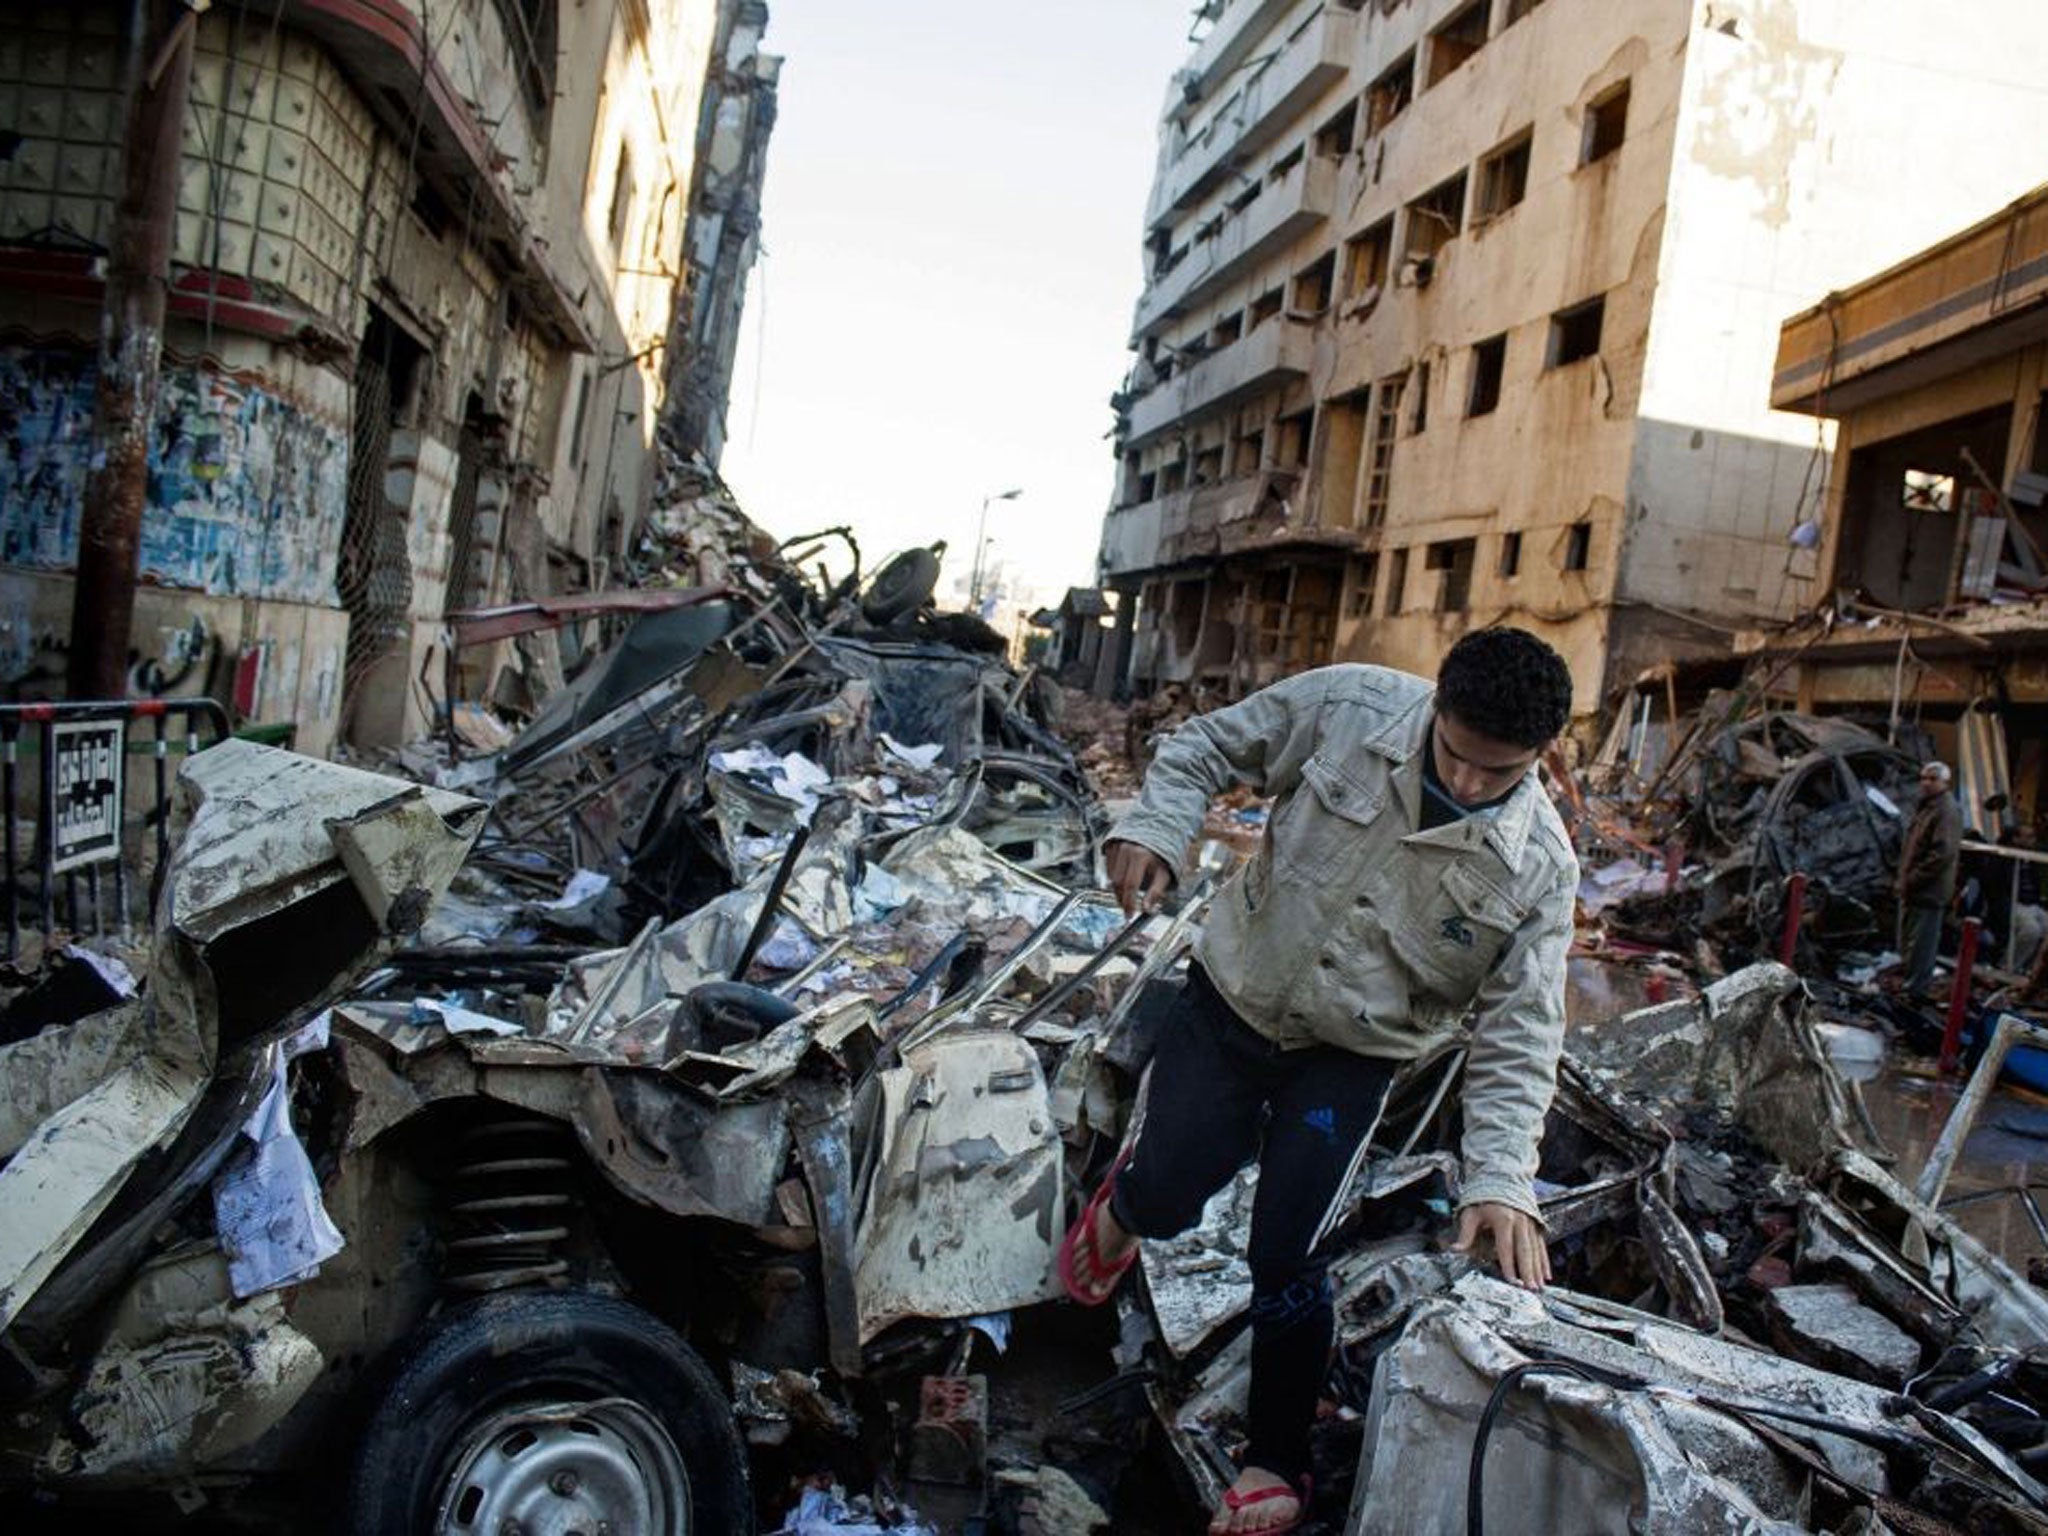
1457	40
1606	125
1246	198
1517	9
1397	580
428	208
1489	363
1510	555
1365	259
1453	557
1313	285
1379	473
1340	456
1388	96
1435	218
1334	139
1575	332
1148	485
1173	477
622	198
1290	442
1365	575
1228	329
1578	546
576	425
1209	465
1209	231
1286	163
1503	179
1265	307
1420	418
1245	457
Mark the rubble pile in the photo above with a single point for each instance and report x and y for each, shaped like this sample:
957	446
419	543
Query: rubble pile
738	1036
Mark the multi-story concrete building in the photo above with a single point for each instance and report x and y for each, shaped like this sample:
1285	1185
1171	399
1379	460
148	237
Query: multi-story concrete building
423	270
1465	310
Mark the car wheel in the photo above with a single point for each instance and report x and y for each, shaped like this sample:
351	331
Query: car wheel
902	586
551	1412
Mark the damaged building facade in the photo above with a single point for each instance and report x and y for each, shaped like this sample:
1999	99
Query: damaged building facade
423	269
1464	310
1935	374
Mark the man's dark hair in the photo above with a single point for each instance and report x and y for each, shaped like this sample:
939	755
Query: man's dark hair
1507	684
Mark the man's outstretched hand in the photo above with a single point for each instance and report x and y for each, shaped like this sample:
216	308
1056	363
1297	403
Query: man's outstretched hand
1518	1244
1139	877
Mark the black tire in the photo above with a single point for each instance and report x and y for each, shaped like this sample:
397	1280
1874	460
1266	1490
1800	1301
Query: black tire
485	1358
903	585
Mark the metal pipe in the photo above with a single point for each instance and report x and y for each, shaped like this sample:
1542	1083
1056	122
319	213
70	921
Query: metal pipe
1959	995
771	904
1795	914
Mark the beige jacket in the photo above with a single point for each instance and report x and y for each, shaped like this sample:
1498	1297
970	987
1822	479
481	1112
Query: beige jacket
1350	927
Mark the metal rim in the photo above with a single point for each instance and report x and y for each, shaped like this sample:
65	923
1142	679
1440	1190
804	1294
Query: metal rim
600	1468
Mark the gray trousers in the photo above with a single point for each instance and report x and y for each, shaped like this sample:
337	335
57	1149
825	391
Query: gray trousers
1919	939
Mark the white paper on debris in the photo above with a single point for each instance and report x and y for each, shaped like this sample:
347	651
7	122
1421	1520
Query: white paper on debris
918	759
266	1203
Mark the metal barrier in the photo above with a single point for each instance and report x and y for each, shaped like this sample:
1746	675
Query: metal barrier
80	803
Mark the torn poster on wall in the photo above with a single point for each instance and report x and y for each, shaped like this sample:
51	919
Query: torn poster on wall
246	488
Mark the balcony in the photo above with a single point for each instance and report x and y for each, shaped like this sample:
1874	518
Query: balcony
1285	211
1199	523
1229	41
1275	353
1314	58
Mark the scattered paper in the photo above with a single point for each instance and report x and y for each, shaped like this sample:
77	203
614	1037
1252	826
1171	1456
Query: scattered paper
266	1201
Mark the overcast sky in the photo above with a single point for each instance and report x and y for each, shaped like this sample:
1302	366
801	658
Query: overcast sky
952	221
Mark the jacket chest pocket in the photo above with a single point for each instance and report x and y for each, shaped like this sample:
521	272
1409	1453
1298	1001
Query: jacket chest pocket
1458	929
1326	824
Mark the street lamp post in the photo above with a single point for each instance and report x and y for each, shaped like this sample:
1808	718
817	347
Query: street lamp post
981	544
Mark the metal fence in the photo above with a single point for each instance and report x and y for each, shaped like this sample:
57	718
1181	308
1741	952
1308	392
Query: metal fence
79	860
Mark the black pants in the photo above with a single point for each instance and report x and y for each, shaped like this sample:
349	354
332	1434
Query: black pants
1221	1093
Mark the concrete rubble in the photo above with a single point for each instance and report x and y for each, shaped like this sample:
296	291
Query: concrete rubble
763	980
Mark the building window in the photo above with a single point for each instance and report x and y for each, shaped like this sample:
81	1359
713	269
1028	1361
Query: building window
1312	285
581	417
1290	447
1334	138
1365	259
1517	9
1379	472
1510	555
1435	218
622	199
1148	485
1420	419
1606	125
1250	447
1575	333
1503	179
1454	558
1489	363
1457	40
1286	164
1246	198
1578	547
1397	579
1365	575
1228	329
1209	465
1388	96
1172	477
1265	307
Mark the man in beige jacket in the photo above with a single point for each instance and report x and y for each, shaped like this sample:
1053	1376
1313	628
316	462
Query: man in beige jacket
1414	881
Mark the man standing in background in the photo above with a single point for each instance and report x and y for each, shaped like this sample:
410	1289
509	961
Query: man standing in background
1927	874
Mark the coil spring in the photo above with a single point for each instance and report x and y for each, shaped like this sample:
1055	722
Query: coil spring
509	1197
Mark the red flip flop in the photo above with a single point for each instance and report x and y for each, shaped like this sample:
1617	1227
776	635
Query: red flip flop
1080	1238
1233	1501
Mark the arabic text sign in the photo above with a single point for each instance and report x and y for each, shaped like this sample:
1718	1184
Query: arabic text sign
84	796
